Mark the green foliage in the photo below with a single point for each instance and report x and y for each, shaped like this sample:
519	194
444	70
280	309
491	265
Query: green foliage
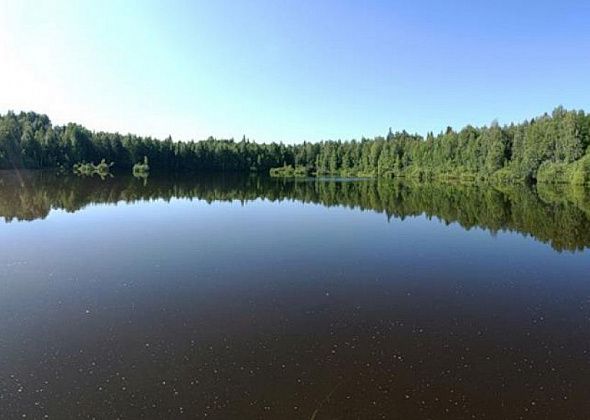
553	173
141	170
546	149
581	172
577	173
507	175
289	171
88	169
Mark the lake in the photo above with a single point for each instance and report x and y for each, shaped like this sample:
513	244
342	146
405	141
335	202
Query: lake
250	297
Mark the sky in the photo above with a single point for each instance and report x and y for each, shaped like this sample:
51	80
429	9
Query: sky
292	70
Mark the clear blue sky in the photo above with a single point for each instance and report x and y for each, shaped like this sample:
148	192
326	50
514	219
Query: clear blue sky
292	70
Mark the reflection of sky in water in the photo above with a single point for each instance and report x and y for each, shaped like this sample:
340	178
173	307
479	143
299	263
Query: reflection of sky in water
255	309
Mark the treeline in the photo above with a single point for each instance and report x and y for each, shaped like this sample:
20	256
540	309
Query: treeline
548	149
557	215
29	140
551	148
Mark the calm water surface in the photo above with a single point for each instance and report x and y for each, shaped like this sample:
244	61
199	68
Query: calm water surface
247	297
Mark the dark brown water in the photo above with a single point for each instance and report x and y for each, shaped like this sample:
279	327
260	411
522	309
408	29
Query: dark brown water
246	297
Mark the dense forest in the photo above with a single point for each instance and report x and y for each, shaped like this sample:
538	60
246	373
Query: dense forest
555	214
547	149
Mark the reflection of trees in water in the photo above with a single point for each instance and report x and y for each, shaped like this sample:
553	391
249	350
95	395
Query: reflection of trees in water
558	216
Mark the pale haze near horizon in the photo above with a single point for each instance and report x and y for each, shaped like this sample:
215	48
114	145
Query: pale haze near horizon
294	71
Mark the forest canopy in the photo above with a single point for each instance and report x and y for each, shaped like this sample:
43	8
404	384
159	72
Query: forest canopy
552	148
